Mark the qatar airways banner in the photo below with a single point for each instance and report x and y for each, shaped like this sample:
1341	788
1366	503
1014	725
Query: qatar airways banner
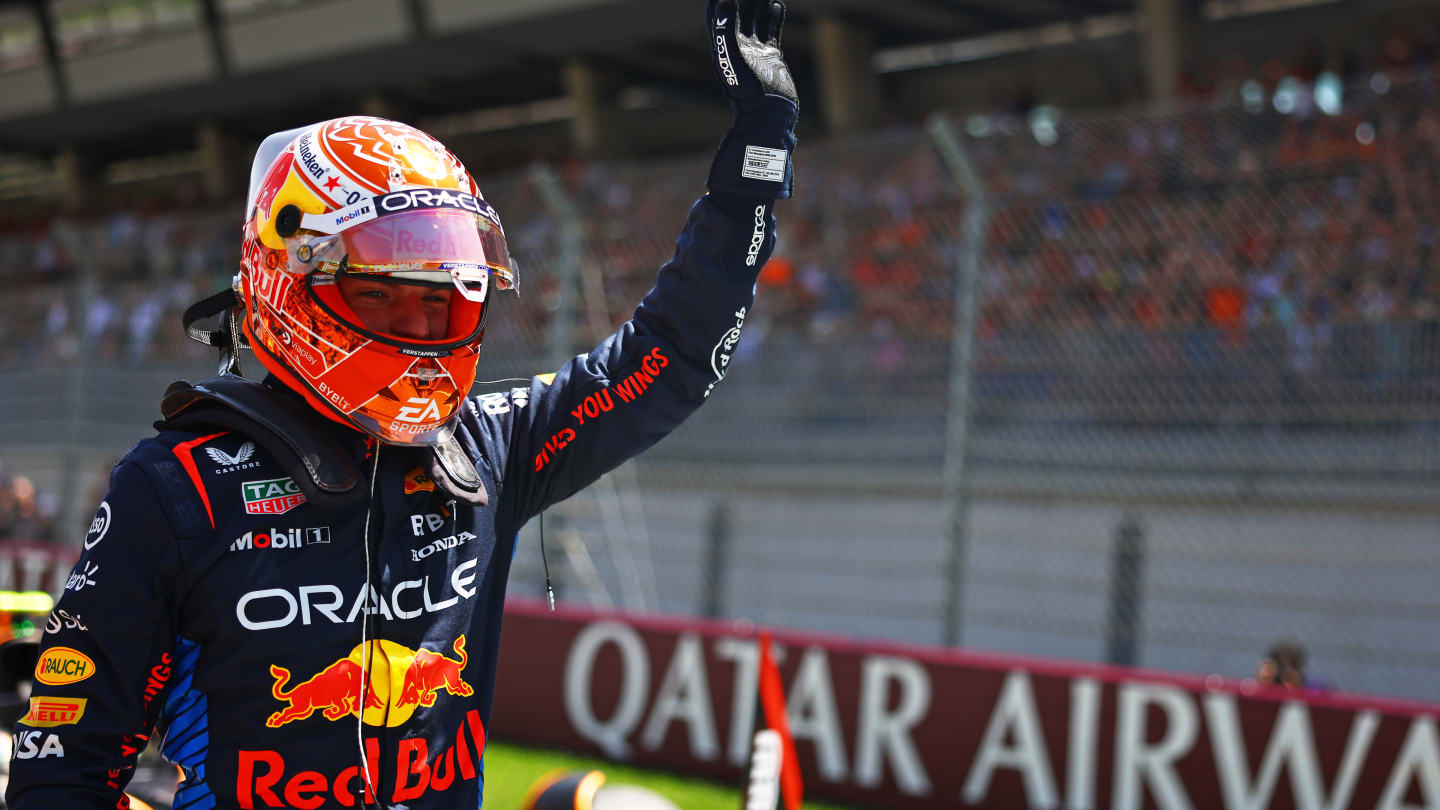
919	727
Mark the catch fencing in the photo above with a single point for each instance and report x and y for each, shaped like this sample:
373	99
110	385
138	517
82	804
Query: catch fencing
1157	387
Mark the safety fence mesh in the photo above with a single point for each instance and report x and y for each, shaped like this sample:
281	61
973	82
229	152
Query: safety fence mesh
1201	383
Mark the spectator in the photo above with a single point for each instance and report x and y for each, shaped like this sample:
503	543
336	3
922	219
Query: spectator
1284	666
28	522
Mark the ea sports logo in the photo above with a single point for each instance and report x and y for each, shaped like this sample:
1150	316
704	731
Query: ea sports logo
417	410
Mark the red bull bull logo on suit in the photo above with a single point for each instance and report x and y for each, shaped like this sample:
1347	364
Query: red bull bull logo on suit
401	679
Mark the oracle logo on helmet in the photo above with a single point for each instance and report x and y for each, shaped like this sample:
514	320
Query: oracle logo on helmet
398	201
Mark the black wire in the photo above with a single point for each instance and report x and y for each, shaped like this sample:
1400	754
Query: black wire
545	561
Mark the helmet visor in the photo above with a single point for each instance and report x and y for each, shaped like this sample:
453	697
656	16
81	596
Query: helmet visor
419	235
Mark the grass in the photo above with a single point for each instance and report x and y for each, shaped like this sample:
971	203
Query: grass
511	769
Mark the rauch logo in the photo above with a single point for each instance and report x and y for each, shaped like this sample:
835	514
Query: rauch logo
61	666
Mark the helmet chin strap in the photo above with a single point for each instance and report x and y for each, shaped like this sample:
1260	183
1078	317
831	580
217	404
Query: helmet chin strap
229	338
230	350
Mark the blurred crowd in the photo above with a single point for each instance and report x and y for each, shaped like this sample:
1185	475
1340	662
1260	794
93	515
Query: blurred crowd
1228	221
25	514
1287	213
108	288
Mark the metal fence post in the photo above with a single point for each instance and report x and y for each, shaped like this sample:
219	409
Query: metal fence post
566	269
717	559
72	513
962	348
1127	574
579	295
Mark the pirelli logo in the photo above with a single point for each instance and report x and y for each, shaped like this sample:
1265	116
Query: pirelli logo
48	712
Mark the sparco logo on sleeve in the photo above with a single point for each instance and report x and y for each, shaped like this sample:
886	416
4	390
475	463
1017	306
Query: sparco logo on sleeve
757	239
275	496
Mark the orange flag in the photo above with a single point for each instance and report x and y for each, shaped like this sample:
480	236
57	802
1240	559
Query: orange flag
772	756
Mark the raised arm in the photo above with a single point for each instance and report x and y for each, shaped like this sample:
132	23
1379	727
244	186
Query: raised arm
635	387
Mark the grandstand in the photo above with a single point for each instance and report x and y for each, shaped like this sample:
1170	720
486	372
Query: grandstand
1060	282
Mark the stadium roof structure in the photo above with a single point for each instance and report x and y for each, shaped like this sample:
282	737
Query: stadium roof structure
257	65
105	93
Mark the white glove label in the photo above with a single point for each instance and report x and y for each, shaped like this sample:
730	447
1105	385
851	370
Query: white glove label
764	163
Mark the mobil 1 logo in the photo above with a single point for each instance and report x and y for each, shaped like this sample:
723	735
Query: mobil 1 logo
282	539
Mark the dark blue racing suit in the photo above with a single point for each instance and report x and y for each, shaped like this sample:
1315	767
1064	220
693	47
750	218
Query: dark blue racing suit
213	606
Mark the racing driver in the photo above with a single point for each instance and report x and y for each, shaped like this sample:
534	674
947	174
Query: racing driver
296	586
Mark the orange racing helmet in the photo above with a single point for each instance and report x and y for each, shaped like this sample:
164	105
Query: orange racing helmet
377	199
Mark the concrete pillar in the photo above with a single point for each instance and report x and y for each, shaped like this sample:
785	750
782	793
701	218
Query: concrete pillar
214	22
223	169
850	96
1160	47
54	62
381	106
80	180
594	131
420	22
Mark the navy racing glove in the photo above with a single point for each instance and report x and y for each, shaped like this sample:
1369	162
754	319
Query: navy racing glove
755	156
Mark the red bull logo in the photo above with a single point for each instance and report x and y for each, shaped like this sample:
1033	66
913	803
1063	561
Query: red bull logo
432	672
417	481
267	779
401	679
335	692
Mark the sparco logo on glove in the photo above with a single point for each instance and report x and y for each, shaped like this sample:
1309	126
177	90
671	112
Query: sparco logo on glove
723	52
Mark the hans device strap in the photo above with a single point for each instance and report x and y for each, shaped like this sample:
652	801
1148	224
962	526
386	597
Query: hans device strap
300	439
453	471
229	337
292	433
289	430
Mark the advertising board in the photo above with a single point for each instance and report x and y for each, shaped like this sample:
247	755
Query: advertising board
920	727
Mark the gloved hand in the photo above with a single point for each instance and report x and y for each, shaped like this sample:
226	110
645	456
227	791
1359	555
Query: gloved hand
754	157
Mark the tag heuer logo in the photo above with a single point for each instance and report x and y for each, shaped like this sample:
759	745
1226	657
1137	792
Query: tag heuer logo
273	497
